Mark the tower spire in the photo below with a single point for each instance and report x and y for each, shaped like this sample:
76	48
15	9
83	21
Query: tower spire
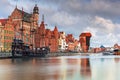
43	17
16	6
36	9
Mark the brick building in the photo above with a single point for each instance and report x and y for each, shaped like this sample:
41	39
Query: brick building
25	24
46	38
7	33
20	25
73	44
84	39
2	25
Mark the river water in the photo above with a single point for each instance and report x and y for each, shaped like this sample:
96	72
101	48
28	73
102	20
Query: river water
61	68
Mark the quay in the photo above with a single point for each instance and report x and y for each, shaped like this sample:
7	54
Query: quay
4	55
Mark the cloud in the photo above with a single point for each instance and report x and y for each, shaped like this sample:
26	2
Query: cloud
106	8
103	32
64	19
105	25
6	8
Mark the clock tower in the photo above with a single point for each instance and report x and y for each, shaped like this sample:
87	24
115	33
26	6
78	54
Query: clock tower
35	16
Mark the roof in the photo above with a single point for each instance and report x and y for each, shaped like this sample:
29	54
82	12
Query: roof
26	16
102	46
86	34
3	21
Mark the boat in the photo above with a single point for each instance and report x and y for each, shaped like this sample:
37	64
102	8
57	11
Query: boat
108	53
20	49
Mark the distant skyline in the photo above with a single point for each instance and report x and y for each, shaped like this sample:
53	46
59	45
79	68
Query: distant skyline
100	17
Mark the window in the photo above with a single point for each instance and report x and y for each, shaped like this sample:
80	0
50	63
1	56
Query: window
0	30
4	37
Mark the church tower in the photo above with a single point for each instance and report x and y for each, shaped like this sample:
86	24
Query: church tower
35	16
55	31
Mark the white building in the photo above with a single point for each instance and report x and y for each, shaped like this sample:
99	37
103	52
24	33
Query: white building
62	42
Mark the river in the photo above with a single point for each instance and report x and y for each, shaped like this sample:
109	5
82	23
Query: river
61	68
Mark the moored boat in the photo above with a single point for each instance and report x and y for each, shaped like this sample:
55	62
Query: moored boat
19	49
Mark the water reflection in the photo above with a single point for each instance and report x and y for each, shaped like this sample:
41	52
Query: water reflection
117	60
85	68
60	68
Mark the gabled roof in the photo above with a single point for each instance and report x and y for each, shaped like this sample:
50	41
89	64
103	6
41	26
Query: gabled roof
3	21
26	16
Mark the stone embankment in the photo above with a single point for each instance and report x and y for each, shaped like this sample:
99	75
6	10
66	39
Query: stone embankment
4	55
61	54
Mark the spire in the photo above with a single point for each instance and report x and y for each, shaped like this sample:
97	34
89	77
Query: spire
43	17
55	32
55	29
16	6
36	9
22	12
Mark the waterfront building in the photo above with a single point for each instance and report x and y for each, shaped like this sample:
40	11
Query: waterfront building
73	44
70	42
46	38
25	24
2	24
84	39
62	46
77	46
6	34
20	25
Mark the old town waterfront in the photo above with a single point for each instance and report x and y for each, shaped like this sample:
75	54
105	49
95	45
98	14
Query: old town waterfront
22	30
54	40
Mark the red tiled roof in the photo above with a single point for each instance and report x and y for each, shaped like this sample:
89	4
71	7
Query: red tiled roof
86	34
3	21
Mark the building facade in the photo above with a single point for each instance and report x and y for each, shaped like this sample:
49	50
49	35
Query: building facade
6	35
20	25
84	39
62	46
73	44
46	38
1	35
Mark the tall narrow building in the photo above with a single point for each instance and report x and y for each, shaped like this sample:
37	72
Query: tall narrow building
84	39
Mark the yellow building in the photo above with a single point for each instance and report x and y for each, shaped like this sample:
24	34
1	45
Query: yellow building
1	36
7	34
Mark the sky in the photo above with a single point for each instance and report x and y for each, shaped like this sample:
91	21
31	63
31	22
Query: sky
100	17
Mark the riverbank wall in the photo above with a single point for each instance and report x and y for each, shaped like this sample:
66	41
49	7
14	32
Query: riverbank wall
4	55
